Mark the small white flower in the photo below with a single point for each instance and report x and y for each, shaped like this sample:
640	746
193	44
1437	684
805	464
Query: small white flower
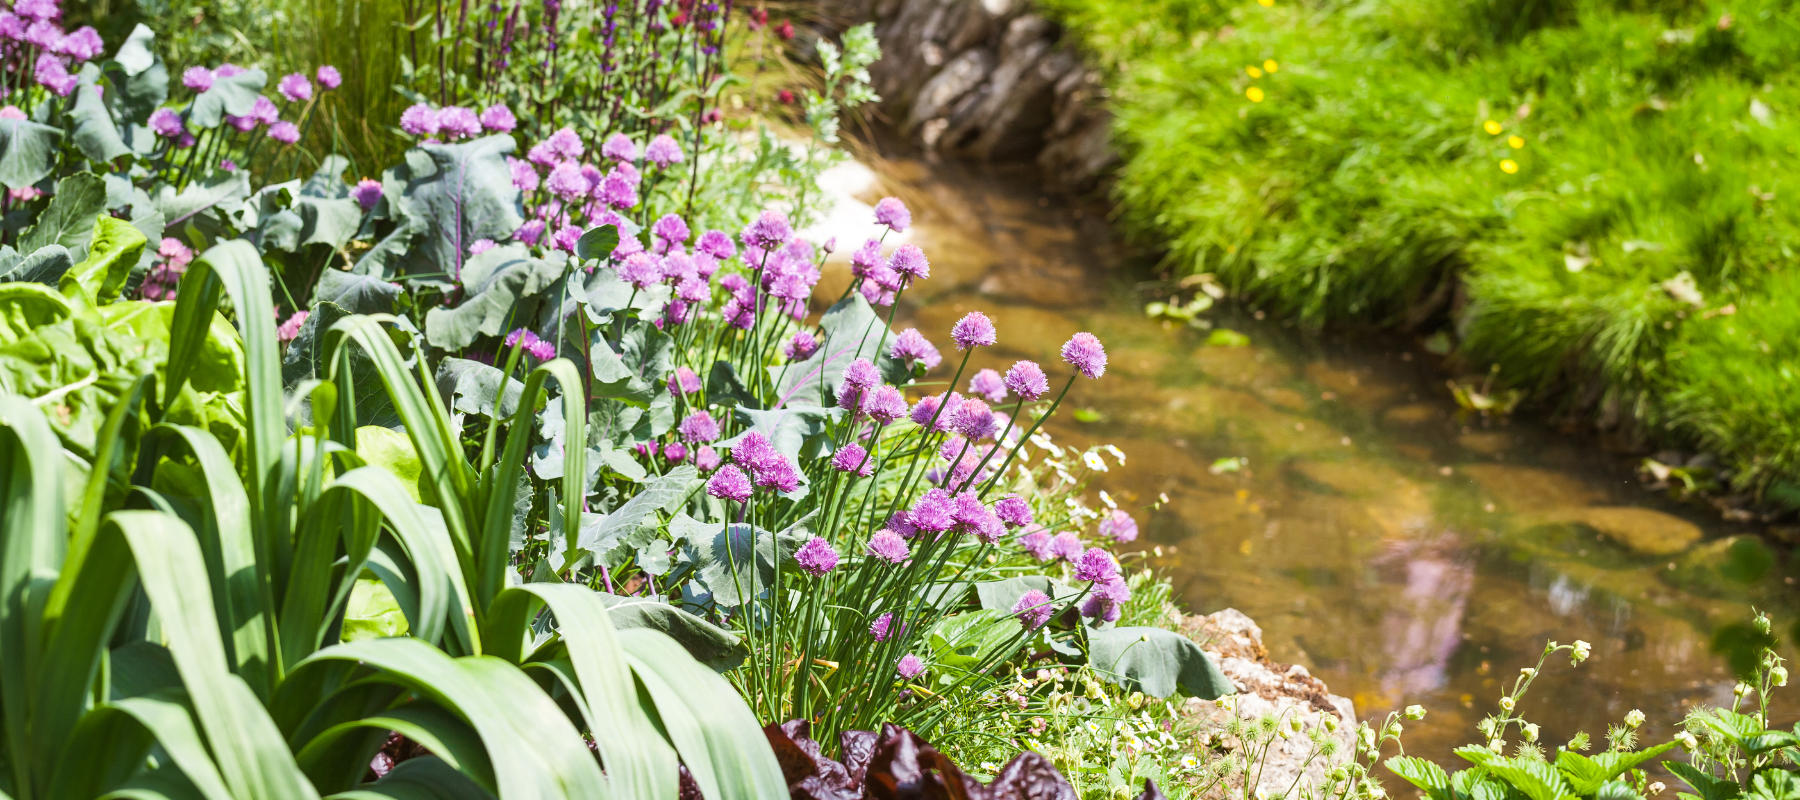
1092	461
1116	453
1190	762
1497	745
1778	675
1634	718
1531	732
1043	440
1415	712
1581	652
1741	689
1657	787
1687	741
1375	790
1528	672
1107	499
1506	704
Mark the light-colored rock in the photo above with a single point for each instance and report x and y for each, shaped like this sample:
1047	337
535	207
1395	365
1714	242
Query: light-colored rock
1267	688
1641	530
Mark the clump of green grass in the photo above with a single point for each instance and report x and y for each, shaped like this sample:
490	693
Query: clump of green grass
1606	180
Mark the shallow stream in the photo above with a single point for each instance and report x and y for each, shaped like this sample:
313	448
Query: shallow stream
1399	552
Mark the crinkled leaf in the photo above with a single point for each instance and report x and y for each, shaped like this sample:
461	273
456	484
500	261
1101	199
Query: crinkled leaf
597	243
708	643
802	433
1429	777
135	55
725	388
69	219
1155	661
496	281
966	640
44	265
1002	595
737	562
1705	784
234	95
357	294
470	387
647	354
463	193
27	152
327	182
113	251
611	536
93	129
852	331
218	187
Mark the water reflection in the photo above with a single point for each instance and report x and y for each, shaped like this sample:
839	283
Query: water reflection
1399	553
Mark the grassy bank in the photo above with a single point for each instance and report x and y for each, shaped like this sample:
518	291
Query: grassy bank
1592	196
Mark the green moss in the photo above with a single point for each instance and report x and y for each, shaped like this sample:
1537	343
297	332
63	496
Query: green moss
1647	192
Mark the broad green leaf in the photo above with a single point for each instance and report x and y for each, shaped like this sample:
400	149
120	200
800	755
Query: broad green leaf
597	243
1708	786
93	129
609	536
28	307
112	252
1429	777
707	643
134	54
234	95
1156	661
69	219
718	738
852	330
471	387
372	612
162	717
32	545
44	266
392	451
495	282
357	294
27	152
462	193
1002	595
217	187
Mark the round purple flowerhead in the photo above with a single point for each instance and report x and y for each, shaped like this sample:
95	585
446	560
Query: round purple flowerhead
729	483
988	383
1119	526
670	228
885	404
81	44
770	231
892	213
498	118
198	79
1026	379
1013	510
419	119
1095	565
329	77
816	557
456	122
1066	546
619	147
1100	608
367	193
801	347
925	409
932	512
699	427
284	132
908	261
1114	589
524	175
717	244
862	374
853	458
167	123
706	458
617	191
888	546
641	271
684	381
883	626
909	667
663	151
1034	609
566	181
1084	352
564	145
1037	543
675	452
974	419
974	330
530	232
295	87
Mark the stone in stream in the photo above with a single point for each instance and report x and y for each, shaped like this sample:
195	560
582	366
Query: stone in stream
1641	530
1269	688
1529	489
1412	414
1722	567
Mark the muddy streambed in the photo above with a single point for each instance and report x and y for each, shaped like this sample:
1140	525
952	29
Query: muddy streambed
1400	553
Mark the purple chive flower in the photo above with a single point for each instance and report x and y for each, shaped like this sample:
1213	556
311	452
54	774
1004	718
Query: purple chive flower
1026	379
1114	589
816	557
988	383
329	77
166	123
1014	511
866	259
671	229
1037	543
530	232
974	330
1066	546
862	374
779	475
419	119
619	147
498	118
769	232
617	191
1100	608
909	667
456	122
933	512
43	34
675	452
968	511
641	271
853	458
481	246
565	238
888	546
717	244
264	111
892	213
1084	352
53	75
82	44
801	347
663	151
883	625
1119	526
925	409
699	427
693	290
537	348
290	330
684	381
706	458
284	132
295	87
973	419
885	404
38	10
565	145
900	522
1033	609
908	261
729	483
566	181
524	175
1095	565
367	193
911	346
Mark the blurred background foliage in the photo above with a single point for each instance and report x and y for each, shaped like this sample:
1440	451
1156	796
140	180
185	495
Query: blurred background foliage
1595	196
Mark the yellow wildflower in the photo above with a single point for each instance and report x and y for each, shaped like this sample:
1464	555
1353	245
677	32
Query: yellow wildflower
1515	142
1492	127
1266	3
1253	72
1255	94
1509	166
1270	66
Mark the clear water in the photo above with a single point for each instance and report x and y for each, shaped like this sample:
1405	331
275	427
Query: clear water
1401	553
